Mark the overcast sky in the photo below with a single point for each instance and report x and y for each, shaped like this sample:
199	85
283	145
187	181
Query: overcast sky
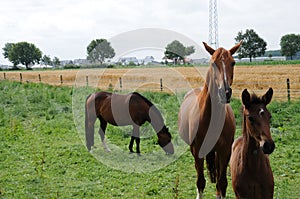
64	28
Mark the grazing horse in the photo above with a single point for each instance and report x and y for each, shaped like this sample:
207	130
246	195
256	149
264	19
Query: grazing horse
122	110
206	120
249	164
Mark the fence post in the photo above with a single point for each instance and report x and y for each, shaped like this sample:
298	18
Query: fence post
288	89
161	85
4	75
21	78
40	79
87	81
61	80
120	80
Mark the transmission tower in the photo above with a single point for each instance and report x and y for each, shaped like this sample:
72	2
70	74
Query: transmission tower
213	24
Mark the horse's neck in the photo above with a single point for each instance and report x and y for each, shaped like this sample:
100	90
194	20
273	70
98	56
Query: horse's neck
156	119
209	96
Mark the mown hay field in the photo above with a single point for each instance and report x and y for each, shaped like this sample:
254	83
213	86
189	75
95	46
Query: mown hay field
168	79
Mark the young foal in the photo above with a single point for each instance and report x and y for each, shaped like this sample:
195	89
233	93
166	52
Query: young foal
206	121
249	164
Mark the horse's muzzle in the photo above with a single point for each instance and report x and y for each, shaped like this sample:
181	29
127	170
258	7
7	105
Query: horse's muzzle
169	148
268	147
225	95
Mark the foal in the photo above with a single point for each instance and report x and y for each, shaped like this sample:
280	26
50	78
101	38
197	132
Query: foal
249	164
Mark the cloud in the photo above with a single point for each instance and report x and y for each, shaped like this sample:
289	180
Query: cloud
64	28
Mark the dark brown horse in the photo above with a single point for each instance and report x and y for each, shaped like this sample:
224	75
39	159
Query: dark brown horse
206	121
122	110
249	164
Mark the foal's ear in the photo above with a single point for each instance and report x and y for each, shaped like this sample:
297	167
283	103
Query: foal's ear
246	98
235	48
268	96
209	49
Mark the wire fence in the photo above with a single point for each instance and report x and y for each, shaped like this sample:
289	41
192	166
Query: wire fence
284	89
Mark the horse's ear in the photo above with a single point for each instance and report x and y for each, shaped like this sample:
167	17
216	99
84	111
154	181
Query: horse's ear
209	49
246	98
268	96
235	48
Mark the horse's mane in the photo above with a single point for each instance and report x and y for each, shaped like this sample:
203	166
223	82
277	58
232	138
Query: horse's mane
144	98
218	53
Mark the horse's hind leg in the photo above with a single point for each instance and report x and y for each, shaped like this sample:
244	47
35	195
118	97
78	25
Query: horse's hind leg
102	128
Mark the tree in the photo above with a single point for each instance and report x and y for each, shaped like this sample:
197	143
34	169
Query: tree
253	46
290	45
22	53
56	61
46	60
177	51
98	50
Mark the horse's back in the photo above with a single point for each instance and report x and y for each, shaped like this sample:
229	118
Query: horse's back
121	109
188	117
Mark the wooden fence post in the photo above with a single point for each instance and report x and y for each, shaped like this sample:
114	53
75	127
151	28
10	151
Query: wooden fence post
120	80
288	90
40	79
61	80
87	81
21	78
161	84
4	75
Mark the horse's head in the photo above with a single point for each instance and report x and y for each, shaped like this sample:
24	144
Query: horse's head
257	119
222	64
164	140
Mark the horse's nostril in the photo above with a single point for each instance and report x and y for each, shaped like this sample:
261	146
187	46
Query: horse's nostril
268	147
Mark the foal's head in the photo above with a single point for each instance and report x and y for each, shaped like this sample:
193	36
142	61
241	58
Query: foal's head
222	64
164	140
257	119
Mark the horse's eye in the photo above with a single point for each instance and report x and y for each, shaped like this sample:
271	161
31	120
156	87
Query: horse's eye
251	119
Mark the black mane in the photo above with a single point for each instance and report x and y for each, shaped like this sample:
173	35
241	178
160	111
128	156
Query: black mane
144	98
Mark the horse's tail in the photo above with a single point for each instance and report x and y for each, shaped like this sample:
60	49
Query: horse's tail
211	165
89	126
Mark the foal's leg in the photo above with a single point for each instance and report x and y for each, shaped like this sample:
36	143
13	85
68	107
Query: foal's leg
200	174
102	128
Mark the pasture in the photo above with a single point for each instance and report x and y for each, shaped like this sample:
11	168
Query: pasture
174	79
43	155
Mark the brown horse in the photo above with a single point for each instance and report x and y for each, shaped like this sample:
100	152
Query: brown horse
122	110
249	164
206	121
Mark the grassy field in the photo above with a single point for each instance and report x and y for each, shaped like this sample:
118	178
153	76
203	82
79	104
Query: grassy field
42	152
174	79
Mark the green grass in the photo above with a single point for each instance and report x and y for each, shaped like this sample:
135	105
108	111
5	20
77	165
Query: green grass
42	152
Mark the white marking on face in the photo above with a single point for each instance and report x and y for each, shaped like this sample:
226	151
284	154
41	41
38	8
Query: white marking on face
224	70
261	111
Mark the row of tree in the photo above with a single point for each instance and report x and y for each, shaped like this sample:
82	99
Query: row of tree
27	54
100	49
254	46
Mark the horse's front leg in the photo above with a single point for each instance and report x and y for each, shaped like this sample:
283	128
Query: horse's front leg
135	136
222	164
200	173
